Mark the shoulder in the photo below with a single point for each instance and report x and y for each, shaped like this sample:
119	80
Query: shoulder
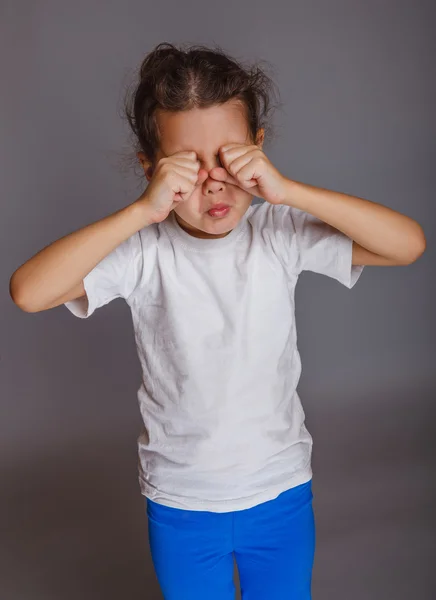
274	218
262	213
146	238
273	228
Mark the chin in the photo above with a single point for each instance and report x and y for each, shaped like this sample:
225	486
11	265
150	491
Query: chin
198	223
208	225
222	224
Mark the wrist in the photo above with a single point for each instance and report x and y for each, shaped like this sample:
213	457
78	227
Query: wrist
143	212
288	191
292	194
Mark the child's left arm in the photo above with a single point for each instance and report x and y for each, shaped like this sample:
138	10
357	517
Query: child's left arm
381	236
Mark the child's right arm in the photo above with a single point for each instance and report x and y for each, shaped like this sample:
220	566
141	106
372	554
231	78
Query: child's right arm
55	274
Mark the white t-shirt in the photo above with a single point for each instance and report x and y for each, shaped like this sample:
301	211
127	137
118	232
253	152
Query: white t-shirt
214	326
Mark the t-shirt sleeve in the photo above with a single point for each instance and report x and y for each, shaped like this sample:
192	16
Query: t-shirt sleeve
116	276
309	244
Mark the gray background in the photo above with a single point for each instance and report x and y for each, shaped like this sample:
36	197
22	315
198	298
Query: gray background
357	83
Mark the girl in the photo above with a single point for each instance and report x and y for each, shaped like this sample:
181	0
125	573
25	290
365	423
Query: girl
224	457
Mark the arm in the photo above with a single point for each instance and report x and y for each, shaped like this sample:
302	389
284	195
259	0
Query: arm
54	275
381	235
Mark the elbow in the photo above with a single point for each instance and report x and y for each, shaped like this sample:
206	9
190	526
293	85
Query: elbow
418	247
13	290
17	296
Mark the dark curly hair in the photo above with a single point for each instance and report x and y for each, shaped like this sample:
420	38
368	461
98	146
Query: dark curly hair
196	76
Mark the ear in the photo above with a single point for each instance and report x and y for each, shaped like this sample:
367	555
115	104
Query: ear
260	137
146	165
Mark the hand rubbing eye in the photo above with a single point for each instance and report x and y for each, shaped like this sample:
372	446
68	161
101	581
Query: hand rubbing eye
219	161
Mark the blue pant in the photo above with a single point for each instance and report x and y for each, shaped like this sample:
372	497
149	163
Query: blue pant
273	544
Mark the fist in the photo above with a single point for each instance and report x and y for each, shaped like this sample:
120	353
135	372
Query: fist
173	181
248	168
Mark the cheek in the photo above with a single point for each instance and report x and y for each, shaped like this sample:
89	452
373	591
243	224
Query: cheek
191	207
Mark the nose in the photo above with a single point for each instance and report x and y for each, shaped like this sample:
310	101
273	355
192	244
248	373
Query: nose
211	162
212	186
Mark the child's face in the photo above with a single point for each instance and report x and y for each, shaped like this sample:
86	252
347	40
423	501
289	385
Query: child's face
204	131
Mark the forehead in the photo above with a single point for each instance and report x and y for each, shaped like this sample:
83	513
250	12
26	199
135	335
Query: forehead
202	129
